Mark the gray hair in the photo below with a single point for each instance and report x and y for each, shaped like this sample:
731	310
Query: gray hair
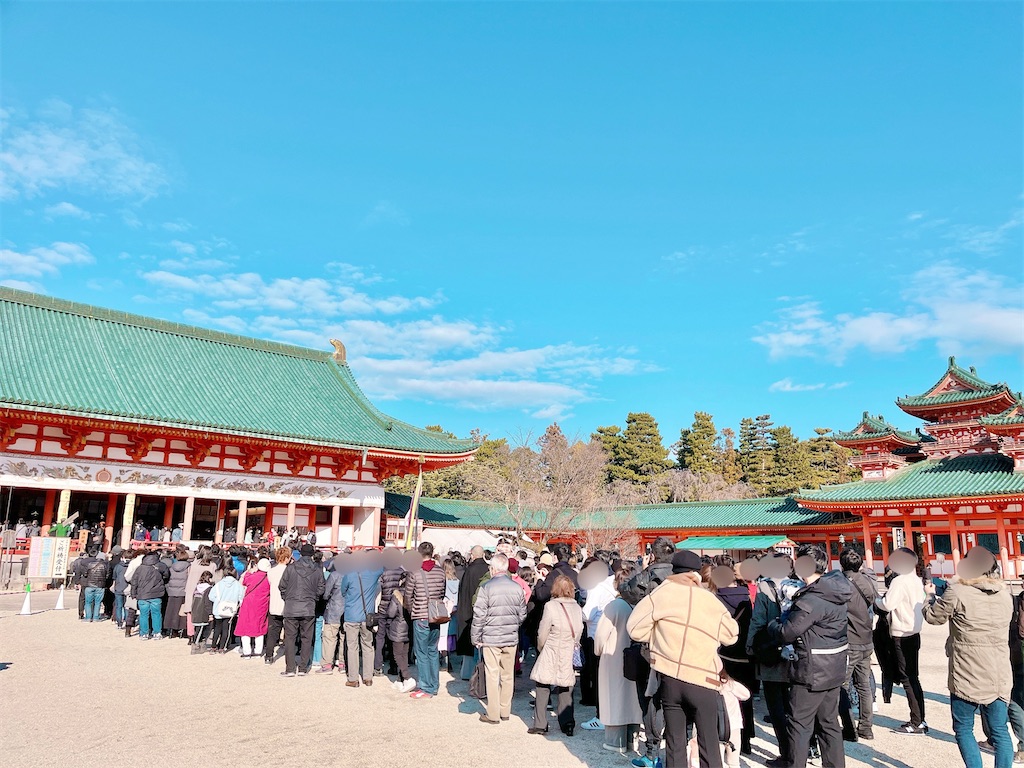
499	563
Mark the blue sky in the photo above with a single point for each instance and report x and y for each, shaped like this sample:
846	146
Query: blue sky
514	213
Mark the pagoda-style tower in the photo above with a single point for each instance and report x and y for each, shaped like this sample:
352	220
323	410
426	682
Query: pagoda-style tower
1008	430
953	408
883	448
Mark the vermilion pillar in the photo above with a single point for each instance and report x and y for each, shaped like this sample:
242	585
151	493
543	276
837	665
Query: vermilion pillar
169	512
48	508
335	522
111	520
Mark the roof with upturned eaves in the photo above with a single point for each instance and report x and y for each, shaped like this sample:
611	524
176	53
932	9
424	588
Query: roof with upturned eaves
734	514
1011	416
67	358
874	428
973	476
975	388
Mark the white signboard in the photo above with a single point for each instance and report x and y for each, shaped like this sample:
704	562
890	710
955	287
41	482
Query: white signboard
48	557
899	538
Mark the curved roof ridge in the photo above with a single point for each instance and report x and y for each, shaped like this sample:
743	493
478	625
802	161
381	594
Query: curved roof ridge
155	324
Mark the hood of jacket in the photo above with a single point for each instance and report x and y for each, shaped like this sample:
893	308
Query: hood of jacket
985	584
151	559
734	597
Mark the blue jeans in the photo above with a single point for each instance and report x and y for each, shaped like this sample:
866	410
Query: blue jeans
93	601
119	609
428	661
995	717
318	640
149	613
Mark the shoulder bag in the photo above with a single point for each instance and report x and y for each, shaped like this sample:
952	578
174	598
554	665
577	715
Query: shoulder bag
372	619
437	611
577	651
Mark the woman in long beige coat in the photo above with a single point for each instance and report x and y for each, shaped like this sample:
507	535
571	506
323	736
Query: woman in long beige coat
557	637
620	708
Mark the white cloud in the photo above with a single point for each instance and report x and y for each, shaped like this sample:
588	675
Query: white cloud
386	213
83	149
178	225
916	215
982	240
66	209
43	261
956	309
395	352
788	385
185	249
22	285
318	296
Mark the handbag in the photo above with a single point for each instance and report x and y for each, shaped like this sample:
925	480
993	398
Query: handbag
634	665
577	651
478	681
372	619
437	611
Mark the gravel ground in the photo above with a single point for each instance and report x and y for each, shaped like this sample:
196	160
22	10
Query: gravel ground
76	694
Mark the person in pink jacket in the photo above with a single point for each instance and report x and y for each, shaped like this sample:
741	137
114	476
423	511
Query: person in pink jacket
252	613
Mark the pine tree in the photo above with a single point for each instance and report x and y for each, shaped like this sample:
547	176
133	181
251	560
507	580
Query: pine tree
829	461
611	439
791	466
747	457
728	459
636	454
697	445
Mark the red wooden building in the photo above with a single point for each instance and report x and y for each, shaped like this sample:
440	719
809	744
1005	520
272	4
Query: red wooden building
127	419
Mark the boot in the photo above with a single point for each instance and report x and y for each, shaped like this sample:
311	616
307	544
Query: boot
127	631
202	647
195	649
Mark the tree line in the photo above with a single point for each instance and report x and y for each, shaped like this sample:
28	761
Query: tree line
553	483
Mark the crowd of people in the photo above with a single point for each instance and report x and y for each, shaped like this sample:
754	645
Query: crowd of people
670	652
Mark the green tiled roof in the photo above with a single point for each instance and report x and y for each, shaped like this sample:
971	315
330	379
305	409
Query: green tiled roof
74	359
950	478
982	389
729	542
742	513
874	428
1012	415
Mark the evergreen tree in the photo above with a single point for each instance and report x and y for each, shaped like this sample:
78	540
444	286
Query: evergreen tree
747	456
790	467
728	459
697	451
829	461
636	454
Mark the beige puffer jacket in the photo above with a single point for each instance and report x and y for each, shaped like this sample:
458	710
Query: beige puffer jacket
684	625
978	611
557	638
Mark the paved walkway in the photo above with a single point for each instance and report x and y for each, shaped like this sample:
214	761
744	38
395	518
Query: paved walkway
74	694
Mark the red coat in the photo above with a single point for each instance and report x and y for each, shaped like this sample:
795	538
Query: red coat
252	614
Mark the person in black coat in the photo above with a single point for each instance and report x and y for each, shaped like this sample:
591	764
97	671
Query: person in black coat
475	572
390	580
302	584
542	592
860	616
816	627
735	596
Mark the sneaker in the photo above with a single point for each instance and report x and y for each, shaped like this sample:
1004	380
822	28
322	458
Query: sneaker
986	746
642	762
593	725
144	637
613	748
324	670
421	695
397	685
302	673
778	762
378	673
408	686
874	707
158	637
1018	758
913	730
267	661
287	674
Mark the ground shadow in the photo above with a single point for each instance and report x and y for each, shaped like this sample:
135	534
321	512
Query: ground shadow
5	664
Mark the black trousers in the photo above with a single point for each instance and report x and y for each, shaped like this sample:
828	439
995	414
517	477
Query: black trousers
221	633
653	716
776	699
908	652
815	713
382	644
858	674
275	625
588	675
81	601
744	674
563	708
685	704
401	659
298	629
